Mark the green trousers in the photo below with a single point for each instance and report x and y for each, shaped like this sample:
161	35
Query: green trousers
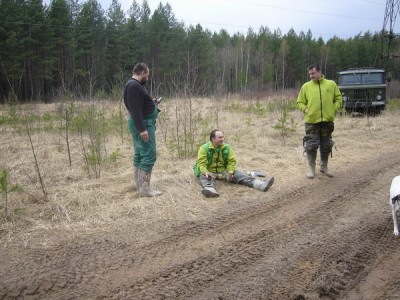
145	153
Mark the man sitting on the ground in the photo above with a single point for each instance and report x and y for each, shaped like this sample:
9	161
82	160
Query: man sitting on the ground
215	160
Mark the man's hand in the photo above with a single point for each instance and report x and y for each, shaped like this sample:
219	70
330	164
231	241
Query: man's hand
144	136
229	176
208	175
157	100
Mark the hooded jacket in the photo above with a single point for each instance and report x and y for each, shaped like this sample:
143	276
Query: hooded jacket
319	100
218	165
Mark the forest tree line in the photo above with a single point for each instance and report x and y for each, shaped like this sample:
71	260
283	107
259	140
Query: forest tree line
67	48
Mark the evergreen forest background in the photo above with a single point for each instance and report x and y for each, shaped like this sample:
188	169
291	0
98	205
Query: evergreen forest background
81	50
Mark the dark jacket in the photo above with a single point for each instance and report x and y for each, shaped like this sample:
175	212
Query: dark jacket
138	102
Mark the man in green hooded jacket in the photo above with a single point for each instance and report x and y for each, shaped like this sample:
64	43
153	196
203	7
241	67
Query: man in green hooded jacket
215	160
319	99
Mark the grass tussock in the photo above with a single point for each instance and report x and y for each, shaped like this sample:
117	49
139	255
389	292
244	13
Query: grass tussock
93	191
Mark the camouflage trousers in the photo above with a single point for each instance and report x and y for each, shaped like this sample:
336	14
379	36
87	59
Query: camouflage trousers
319	135
239	177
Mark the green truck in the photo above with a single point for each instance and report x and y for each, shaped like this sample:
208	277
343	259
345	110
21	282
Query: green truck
363	90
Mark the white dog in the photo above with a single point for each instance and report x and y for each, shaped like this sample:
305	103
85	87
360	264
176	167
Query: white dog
395	201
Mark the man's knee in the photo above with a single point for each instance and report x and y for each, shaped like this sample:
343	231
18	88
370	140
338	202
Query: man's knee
206	182
311	142
326	146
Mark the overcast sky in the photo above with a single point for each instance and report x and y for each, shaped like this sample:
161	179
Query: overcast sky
325	18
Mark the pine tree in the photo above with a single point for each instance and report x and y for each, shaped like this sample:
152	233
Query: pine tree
116	53
90	48
61	26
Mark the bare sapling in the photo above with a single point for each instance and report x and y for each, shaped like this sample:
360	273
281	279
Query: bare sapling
91	128
97	136
177	135
118	117
35	160
183	132
66	111
164	121
81	126
189	129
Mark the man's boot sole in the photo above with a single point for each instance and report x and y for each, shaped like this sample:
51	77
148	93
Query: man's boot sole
269	184
209	194
326	174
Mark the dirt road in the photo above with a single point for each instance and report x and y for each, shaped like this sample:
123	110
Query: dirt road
327	239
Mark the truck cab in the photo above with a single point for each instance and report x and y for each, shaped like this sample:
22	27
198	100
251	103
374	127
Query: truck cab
363	90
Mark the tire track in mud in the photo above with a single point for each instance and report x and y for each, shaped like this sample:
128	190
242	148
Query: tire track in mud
252	250
179	280
343	257
332	266
381	282
336	266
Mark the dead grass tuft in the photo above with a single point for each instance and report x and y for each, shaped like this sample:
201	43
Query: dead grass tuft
81	205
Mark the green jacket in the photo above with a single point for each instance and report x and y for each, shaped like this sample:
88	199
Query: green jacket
217	164
319	99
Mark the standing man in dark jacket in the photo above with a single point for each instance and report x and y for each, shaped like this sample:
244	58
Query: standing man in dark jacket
319	99
143	113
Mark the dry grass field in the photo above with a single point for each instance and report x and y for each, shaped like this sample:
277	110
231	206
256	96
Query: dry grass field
79	204
91	201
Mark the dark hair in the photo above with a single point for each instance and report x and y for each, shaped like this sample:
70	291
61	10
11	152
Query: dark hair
139	68
312	66
212	133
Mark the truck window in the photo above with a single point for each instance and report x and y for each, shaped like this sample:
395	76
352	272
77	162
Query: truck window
373	78
350	79
361	78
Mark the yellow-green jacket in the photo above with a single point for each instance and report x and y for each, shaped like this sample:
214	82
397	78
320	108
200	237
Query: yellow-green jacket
217	162
319	100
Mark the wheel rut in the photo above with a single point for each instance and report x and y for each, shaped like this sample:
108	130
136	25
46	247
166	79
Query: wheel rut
316	241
